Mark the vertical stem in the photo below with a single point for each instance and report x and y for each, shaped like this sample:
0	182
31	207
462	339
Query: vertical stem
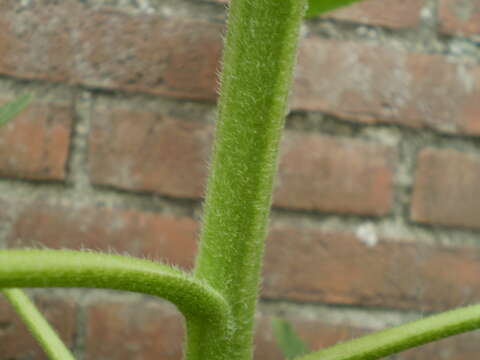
260	53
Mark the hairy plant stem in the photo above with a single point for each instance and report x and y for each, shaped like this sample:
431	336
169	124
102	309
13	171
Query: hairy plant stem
390	341
38	325
260	53
199	303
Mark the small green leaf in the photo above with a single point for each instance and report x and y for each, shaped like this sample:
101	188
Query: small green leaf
316	7
288	341
11	109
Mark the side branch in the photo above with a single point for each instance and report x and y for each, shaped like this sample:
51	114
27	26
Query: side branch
390	341
38	325
63	268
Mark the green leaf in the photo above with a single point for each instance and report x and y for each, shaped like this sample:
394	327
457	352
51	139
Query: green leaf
11	109
316	7
288	341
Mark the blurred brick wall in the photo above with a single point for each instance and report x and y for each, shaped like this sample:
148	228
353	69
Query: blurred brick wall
376	216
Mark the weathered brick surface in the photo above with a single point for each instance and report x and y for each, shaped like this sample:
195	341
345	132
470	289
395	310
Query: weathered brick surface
147	53
389	13
143	234
35	144
459	17
446	190
106	48
146	152
371	83
313	265
316	334
144	330
180	58
328	174
34	41
143	151
15	340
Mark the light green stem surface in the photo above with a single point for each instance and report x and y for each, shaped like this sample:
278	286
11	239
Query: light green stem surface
394	340
260	53
38	326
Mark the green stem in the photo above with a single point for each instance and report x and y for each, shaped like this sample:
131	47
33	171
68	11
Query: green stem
260	53
38	326
393	340
200	304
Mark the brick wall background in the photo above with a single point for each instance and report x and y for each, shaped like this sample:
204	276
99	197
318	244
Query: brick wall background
376	216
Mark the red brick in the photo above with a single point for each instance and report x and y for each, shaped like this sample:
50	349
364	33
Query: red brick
316	334
180	58
339	267
16	342
35	41
143	330
328	174
460	347
446	190
105	48
148	152
459	17
116	50
35	144
147	53
389	13
142	151
371	83
172	239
